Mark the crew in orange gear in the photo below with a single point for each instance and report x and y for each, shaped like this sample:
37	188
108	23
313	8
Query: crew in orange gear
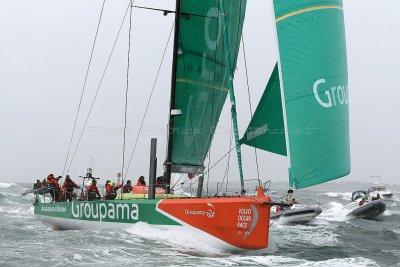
68	188
111	190
54	187
92	191
141	181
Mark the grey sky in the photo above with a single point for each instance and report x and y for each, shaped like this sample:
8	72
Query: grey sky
44	50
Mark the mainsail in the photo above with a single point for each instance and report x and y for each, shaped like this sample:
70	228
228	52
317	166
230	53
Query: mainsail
313	81
202	76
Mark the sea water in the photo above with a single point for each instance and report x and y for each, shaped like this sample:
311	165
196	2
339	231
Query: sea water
331	240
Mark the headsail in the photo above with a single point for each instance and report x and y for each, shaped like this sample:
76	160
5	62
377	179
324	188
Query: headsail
202	76
313	81
266	130
313	68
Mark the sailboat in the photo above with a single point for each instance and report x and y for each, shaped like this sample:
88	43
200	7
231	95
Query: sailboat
303	114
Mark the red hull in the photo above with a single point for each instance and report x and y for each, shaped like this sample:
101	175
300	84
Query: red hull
242	222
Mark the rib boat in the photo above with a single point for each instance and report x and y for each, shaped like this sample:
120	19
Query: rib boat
297	214
365	207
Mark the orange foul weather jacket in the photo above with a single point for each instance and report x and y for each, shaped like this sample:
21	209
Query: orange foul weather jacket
93	188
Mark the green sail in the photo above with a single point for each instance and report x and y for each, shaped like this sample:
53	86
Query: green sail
266	130
313	68
202	76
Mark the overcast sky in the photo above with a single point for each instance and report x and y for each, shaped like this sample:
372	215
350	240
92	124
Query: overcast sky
44	51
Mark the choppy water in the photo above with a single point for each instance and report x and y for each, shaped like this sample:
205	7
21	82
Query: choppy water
332	240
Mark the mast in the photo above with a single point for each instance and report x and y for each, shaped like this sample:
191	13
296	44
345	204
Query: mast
233	100
168	163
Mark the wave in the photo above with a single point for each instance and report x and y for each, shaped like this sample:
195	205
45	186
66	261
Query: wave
286	261
185	240
334	212
341	195
172	235
18	211
6	185
316	235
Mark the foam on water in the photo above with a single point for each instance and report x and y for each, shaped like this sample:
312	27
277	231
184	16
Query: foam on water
78	257
173	235
20	210
306	234
187	241
6	185
396	197
334	212
341	195
354	262
289	261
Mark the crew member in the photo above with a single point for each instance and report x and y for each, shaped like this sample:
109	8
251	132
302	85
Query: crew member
92	191
37	185
68	188
160	181
128	187
141	181
54	187
111	190
376	197
363	201
289	197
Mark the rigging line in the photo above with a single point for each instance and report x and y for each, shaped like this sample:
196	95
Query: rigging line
210	136
178	180
83	87
226	174
167	11
208	168
126	92
249	98
238	33
229	161
219	160
98	88
149	99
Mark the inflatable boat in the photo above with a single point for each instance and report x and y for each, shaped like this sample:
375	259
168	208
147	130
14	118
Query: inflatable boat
370	210
364	208
296	213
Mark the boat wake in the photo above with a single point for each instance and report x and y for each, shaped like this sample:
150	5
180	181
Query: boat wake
185	241
334	212
287	261
170	235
